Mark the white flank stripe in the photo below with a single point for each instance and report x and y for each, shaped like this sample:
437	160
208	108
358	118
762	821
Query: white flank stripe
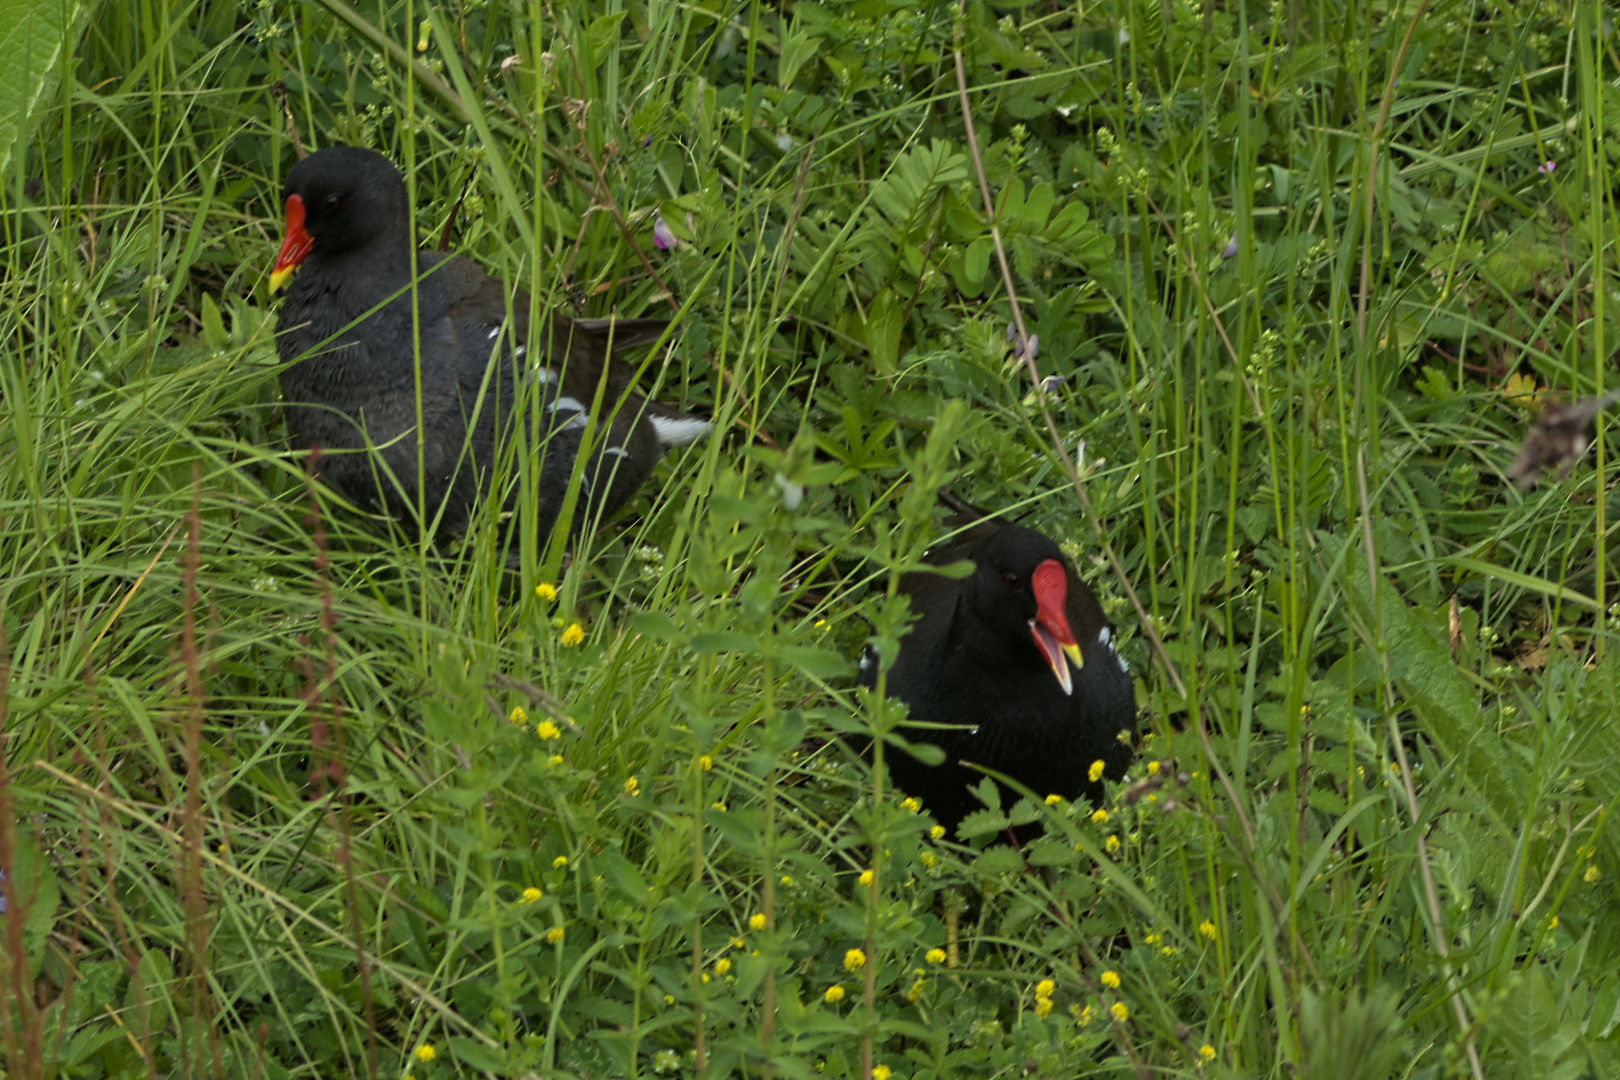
678	432
616	451
566	403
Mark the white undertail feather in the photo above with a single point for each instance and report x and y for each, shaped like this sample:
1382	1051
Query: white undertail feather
678	431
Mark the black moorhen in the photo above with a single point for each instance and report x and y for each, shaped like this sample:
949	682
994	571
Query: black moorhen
1019	652
350	383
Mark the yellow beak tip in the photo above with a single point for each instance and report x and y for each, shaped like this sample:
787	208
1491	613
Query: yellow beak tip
278	278
1073	653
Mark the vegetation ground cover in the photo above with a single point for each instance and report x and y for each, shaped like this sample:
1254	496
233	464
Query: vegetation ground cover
287	792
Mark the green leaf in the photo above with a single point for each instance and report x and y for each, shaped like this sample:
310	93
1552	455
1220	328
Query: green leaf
723	641
822	663
476	1054
34	38
656	625
603	35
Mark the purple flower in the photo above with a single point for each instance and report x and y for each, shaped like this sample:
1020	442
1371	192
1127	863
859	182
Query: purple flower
646	142
1230	249
663	239
1019	352
1011	333
1546	167
1052	382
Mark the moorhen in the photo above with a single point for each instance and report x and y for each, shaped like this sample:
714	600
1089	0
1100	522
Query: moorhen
1020	656
350	380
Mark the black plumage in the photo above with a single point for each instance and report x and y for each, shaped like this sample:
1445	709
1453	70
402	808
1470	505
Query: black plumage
345	333
997	652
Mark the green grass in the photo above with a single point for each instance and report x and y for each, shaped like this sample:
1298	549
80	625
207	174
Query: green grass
273	787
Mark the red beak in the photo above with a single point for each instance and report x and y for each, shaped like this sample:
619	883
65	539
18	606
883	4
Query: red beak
1050	626
294	246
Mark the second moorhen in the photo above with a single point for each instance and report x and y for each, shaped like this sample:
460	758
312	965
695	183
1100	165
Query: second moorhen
345	333
1020	657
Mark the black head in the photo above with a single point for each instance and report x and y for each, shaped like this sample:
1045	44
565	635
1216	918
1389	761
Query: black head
340	199
1018	597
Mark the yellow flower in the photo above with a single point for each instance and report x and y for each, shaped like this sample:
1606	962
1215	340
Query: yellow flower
554	759
1053	800
548	593
866	877
1592	874
1153	768
1094	773
916	990
631	787
1111	844
936	832
705	762
1207	1052
554	935
786	879
1044	988
853	959
1100	816
518	715
913	805
1119	1012
721	966
835	993
705	976
935	956
530	895
1151	939
880	1072
425	1052
573	635
1043	1006
1109	979
717	805
1084	1016
1586	852
1552	923
547	730
737	943
928	859
559	862
1207	928
756	921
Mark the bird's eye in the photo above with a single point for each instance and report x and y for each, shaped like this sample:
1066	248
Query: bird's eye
332	201
1010	579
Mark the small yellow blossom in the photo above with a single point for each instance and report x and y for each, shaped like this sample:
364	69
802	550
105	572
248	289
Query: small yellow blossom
1587	851
936	832
1043	1006
1153	768
1111	844
224	847
935	956
1053	800
1552	923
786	879
704	976
880	1072
554	760
559	862
425	1052
554	935
866	877
1169	950
546	592
721	966
1119	1012
547	730
737	943
1151	939
928	859
916	990
756	921
530	895
669	999
705	762
1100	816
518	715
1094	773
717	805
1083	1017
835	993
1592	874
1207	1052
912	805
854	959
1207	928
1109	979
573	635
1044	988
631	787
